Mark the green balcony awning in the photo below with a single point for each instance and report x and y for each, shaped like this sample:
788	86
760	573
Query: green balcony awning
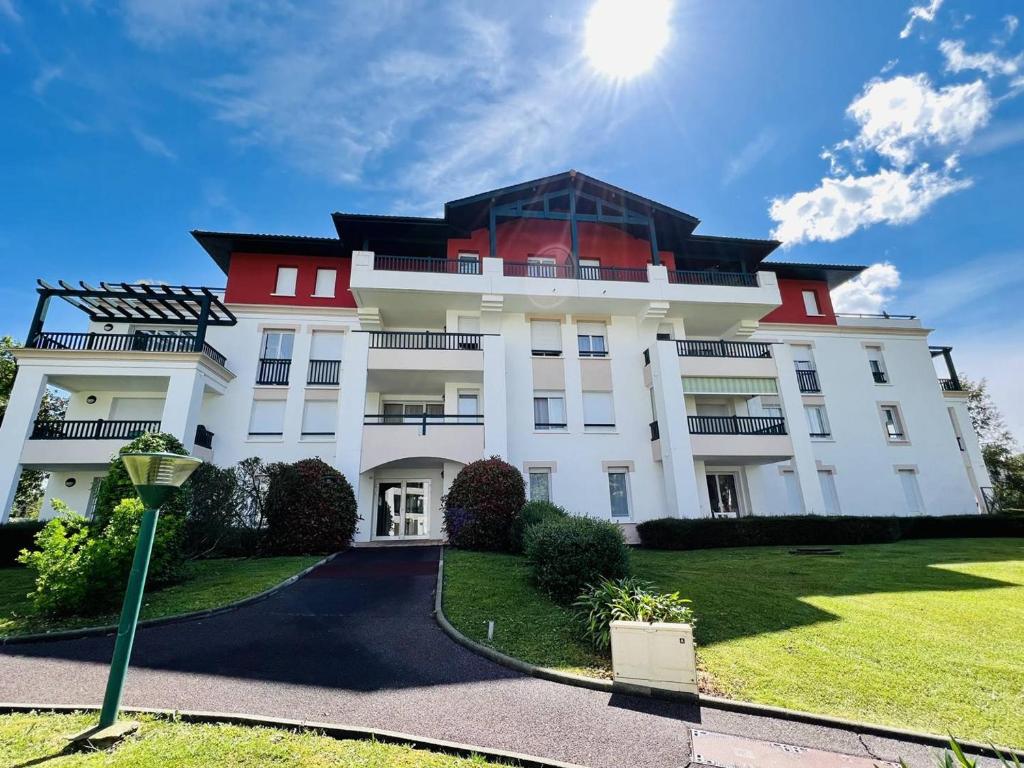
729	385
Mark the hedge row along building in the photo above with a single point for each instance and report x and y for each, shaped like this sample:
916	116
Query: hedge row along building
631	368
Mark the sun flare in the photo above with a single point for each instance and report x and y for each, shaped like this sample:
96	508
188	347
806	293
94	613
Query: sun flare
624	38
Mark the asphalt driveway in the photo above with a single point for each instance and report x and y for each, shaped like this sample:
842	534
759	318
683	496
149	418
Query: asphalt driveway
355	642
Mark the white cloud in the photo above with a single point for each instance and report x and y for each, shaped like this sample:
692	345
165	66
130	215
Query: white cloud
989	62
154	145
900	116
925	13
750	155
46	76
869	292
837	208
8	10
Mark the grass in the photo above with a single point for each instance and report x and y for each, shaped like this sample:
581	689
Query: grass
918	634
40	739
211	583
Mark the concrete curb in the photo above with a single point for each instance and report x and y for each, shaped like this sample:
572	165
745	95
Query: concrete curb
714	702
331	730
74	634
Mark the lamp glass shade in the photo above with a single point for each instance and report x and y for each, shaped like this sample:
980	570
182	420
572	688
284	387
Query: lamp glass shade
159	469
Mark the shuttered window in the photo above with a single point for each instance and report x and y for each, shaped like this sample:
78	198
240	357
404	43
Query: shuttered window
546	337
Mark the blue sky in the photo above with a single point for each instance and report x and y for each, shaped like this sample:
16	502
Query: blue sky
875	132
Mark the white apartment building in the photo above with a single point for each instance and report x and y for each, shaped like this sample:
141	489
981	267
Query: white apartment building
630	368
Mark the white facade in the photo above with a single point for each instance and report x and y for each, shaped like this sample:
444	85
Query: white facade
637	421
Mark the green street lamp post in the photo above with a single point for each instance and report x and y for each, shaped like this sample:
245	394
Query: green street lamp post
156	477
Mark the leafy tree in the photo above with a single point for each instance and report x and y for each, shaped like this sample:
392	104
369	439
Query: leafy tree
998	447
117	485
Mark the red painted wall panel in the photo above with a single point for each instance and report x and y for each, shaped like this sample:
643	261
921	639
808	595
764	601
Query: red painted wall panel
253	276
520	238
792	309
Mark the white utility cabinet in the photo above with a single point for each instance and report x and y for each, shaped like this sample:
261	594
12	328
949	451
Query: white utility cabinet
658	655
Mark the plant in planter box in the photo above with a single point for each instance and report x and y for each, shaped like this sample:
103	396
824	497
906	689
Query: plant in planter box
625	600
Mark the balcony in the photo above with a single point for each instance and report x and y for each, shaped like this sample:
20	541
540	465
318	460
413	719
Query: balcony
436	352
951	385
204	437
743	349
324	373
736	425
712	277
569	271
740	439
879	377
124	342
730	359
75	444
393	437
424	340
92	429
807	380
273	371
425	264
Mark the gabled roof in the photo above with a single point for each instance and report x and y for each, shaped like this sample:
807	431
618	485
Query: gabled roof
220	245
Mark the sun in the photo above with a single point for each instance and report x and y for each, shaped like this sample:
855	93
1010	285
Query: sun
624	38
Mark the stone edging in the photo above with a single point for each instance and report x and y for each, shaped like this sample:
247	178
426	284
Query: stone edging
331	730
73	634
730	705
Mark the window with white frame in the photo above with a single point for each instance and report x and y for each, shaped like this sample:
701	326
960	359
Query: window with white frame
598	410
546	337
895	431
911	491
876	364
266	417
540	484
590	269
618	492
277	345
412	412
326	345
286	279
325	282
468	405
827	480
319	417
592	339
541	266
817	421
94	492
468	263
811	303
771	409
549	410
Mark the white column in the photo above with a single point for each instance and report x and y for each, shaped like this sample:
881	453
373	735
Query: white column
29	386
495	400
351	407
681	490
182	406
796	425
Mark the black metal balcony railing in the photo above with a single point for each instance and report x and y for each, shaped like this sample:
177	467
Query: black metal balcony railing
807	380
124	342
570	271
711	277
426	264
204	437
950	385
92	429
821	435
745	349
655	432
273	371
879	377
425	340
326	372
422	420
736	425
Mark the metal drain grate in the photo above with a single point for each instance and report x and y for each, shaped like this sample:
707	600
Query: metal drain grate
722	750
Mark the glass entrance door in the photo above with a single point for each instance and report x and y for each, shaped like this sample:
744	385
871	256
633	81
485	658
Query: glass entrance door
403	509
723	491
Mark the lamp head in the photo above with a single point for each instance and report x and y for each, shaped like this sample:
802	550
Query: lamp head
157	475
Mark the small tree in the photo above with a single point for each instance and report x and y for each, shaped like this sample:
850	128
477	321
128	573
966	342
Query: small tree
210	498
117	485
311	509
998	448
482	503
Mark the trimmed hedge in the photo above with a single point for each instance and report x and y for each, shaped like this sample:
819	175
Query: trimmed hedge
482	503
16	536
566	555
311	509
533	512
711	533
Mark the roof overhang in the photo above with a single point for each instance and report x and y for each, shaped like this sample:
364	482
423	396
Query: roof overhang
355	230
833	274
220	245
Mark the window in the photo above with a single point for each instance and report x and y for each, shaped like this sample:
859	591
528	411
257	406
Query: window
319	417
468	406
549	410
794	499
286	277
598	410
540	484
591	338
806	371
267	417
772	410
811	303
326	345
412	413
546	337
894	430
541	266
468	263
325	280
827	479
817	420
277	345
911	491
618	492
94	490
724	494
876	364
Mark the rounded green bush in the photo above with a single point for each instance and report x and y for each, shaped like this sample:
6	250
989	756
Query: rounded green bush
484	500
311	509
533	512
117	485
567	554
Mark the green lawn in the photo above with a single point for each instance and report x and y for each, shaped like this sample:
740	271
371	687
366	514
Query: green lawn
40	739
211	583
919	634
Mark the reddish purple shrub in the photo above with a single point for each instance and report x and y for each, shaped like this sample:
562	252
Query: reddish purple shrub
310	509
482	503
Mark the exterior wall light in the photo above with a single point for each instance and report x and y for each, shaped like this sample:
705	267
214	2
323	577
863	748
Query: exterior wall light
91	399
70	482
156	476
108	327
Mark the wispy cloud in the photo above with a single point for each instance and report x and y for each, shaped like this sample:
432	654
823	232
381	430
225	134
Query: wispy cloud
989	62
154	145
869	292
9	12
965	286
923	13
752	153
47	75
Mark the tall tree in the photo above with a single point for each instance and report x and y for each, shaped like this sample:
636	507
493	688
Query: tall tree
998	447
